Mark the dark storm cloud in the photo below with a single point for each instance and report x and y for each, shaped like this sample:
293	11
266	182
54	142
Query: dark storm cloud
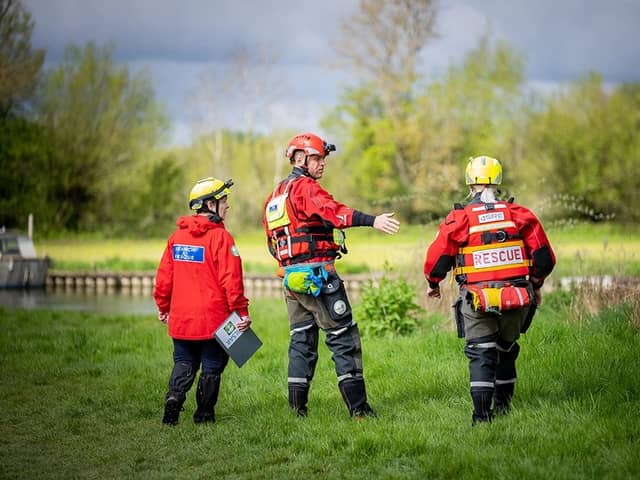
189	30
564	39
561	40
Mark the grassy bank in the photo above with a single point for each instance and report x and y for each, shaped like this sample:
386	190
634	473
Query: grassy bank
82	398
582	249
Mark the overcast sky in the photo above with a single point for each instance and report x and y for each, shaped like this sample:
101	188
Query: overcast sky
177	40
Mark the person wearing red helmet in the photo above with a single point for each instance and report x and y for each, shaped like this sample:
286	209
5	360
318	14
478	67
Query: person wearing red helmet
198	284
300	218
501	256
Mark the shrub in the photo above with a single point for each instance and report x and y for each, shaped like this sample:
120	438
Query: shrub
389	307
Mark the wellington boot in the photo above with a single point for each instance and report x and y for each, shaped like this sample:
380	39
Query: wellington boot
172	409
502	398
482	406
298	398
206	398
354	395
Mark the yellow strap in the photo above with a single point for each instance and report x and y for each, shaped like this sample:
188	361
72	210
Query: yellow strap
490	246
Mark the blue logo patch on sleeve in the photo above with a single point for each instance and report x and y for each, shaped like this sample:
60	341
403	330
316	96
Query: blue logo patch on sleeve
188	253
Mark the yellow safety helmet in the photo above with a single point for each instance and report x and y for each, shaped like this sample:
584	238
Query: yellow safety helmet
208	189
483	170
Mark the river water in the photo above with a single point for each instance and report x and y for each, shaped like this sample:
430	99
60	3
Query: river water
116	302
140	301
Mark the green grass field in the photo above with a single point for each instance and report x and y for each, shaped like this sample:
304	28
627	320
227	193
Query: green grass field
581	250
82	397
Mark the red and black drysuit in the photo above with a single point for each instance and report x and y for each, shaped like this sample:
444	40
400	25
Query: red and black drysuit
307	239
491	245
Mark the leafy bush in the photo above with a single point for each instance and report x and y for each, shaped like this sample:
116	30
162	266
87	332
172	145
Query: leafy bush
388	308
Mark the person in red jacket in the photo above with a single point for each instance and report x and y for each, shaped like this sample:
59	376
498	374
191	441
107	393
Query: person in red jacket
198	285
300	218
501	257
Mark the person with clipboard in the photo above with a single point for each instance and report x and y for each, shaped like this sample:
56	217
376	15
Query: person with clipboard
198	286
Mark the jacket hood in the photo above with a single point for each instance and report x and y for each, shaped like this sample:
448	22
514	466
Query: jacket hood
197	225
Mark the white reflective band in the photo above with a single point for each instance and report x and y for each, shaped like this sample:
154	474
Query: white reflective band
520	299
301	329
505	382
485	296
483	207
484	345
491	226
482	384
340	331
298	380
289	251
344	377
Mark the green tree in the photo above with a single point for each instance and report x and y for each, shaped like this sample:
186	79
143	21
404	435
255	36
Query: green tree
106	123
154	203
22	143
586	147
26	156
477	108
255	164
20	64
381	42
474	108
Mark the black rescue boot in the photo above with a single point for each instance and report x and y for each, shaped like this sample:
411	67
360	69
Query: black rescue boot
354	395
502	398
180	382
172	408
206	398
298	398
481	406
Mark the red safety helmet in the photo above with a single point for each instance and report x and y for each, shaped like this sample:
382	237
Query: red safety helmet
310	144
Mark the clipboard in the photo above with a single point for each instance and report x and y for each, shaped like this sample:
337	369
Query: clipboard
240	346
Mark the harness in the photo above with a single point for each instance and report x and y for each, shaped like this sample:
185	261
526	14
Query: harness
495	250
293	241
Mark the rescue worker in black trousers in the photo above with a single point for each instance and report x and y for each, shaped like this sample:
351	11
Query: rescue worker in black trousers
501	256
300	219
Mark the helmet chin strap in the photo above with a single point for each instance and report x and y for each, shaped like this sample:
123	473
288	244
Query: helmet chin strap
213	216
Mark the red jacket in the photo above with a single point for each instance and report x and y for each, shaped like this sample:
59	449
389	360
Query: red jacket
494	239
312	214
199	279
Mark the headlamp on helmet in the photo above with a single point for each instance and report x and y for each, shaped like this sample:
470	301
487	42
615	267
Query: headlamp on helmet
483	170
208	189
328	148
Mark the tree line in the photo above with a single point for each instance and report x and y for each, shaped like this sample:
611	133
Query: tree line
83	143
